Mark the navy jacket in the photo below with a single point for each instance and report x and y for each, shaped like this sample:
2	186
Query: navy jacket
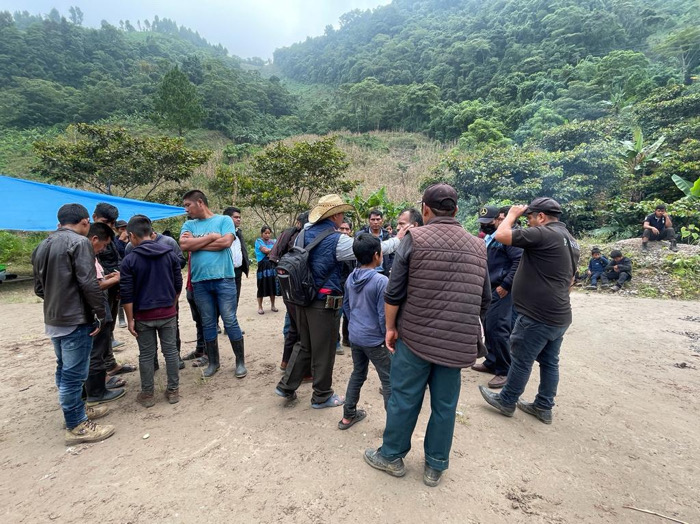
598	265
388	260
150	276
322	259
503	263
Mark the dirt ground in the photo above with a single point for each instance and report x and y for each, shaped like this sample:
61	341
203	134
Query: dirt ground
626	432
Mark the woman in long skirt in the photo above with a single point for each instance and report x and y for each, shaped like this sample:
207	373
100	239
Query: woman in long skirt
267	280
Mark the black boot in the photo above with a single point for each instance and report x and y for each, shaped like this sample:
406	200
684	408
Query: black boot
237	346
674	245
97	393
213	354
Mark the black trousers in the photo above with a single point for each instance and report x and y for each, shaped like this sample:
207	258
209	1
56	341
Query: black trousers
620	277
238	273
318	336
497	328
101	347
667	234
292	336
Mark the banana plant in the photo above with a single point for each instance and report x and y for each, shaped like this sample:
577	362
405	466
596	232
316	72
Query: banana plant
690	189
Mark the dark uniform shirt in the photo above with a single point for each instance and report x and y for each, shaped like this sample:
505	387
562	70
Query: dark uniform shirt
657	222
541	284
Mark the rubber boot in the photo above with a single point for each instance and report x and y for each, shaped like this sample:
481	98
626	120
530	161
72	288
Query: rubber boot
213	354
97	393
237	346
674	245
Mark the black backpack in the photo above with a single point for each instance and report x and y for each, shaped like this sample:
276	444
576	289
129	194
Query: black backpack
294	274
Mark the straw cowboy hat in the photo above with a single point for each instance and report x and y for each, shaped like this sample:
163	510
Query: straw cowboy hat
328	206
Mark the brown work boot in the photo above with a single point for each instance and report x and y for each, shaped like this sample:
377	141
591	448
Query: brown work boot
86	432
95	412
498	381
173	395
147	400
481	368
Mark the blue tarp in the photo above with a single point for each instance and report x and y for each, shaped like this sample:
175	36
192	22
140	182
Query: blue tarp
32	206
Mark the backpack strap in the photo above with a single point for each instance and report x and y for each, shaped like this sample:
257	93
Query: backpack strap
315	242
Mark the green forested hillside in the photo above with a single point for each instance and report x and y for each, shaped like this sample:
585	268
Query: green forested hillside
53	71
566	59
593	102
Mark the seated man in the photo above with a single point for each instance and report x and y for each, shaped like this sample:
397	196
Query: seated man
658	226
619	269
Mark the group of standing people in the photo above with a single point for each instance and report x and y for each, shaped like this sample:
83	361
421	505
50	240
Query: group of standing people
420	306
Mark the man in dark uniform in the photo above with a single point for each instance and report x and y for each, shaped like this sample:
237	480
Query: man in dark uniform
541	296
503	263
658	226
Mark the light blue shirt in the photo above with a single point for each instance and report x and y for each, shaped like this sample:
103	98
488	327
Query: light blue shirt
211	265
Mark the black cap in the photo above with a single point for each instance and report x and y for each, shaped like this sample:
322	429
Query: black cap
440	196
120	223
615	253
487	214
545	205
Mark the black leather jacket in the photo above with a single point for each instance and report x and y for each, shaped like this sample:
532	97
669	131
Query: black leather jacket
65	277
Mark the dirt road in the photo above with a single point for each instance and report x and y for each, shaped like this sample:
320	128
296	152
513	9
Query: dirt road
626	432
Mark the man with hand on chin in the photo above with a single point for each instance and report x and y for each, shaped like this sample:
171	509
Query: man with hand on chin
541	296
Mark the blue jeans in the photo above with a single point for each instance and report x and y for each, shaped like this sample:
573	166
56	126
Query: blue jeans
409	376
72	367
533	341
595	276
217	297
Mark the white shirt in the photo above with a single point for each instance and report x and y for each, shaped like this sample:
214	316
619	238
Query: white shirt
236	252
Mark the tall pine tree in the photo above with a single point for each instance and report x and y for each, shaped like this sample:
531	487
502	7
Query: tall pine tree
176	103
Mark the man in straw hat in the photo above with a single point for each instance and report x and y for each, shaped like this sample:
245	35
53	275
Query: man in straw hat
318	323
439	291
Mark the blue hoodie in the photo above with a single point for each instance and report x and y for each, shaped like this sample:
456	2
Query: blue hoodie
363	305
150	276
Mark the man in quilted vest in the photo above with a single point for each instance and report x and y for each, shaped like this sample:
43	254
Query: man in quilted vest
439	292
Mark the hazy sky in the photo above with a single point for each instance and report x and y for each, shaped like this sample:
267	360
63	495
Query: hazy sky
246	28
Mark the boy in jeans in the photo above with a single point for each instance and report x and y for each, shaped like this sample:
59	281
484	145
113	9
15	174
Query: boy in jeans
151	281
363	304
596	267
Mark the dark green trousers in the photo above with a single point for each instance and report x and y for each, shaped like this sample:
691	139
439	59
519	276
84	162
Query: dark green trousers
409	376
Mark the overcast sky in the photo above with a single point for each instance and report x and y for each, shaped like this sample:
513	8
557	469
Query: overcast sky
246	28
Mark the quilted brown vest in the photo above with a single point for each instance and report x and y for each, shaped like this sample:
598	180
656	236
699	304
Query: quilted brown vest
440	318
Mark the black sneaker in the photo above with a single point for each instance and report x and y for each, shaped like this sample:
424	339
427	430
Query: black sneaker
431	477
543	415
395	467
494	399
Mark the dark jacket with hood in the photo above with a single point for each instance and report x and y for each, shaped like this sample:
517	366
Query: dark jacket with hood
623	266
65	277
363	305
388	260
150	276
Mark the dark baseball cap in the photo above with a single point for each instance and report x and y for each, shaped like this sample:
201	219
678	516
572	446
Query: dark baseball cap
545	205
120	223
440	196
487	214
